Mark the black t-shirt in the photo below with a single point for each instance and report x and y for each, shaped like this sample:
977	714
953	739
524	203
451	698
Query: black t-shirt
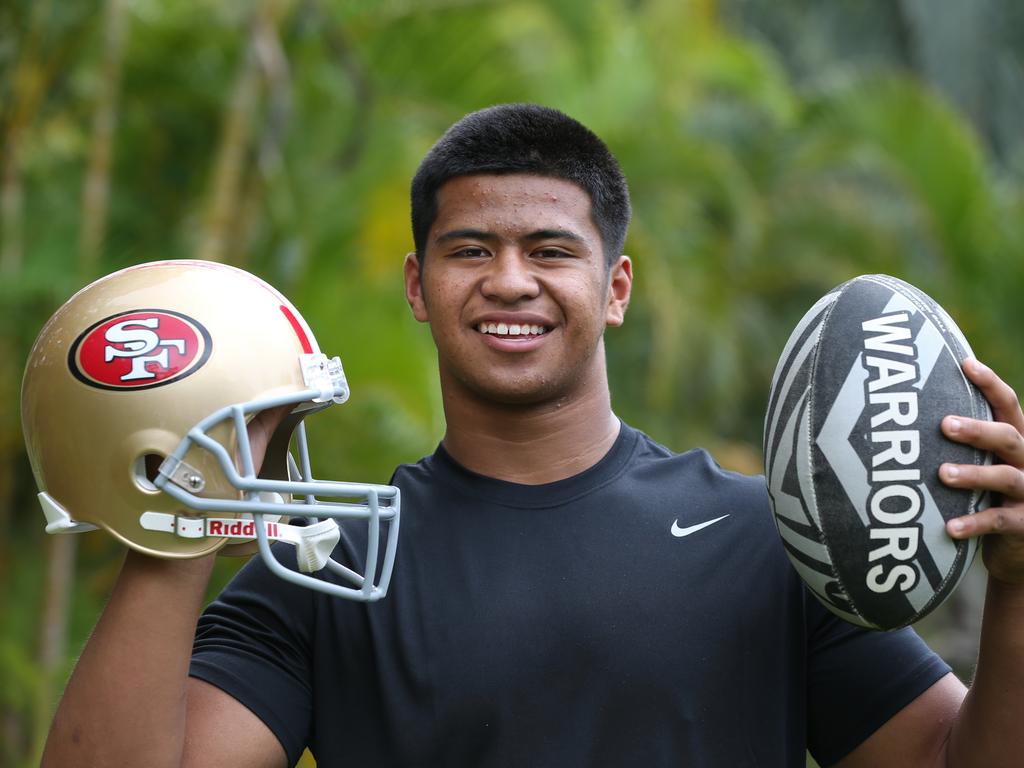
564	625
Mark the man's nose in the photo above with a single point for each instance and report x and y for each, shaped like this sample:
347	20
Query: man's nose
510	278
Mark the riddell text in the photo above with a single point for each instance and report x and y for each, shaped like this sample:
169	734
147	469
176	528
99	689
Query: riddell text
241	528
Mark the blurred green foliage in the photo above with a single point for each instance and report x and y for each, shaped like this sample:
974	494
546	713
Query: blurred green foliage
773	150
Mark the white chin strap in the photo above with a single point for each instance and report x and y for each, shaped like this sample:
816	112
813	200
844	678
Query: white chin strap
313	543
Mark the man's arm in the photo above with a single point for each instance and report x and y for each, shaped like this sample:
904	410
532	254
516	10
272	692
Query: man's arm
943	727
988	731
130	700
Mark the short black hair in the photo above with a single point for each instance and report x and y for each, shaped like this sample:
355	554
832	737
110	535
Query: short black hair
525	138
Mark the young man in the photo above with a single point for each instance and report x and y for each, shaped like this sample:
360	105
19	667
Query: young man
541	611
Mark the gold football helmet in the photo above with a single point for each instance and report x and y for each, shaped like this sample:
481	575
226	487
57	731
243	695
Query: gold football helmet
135	405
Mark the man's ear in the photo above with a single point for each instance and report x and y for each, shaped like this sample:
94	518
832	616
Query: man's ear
414	287
620	286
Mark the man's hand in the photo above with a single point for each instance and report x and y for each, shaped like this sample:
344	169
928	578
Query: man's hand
261	428
1002	524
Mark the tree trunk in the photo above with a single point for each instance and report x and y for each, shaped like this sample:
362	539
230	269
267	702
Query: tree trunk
229	164
96	189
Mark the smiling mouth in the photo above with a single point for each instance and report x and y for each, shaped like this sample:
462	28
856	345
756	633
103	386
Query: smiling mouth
512	329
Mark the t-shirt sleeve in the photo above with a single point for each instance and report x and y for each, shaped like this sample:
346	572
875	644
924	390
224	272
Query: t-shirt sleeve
253	643
857	679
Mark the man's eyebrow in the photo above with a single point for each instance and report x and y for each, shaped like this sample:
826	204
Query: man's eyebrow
554	234
479	234
465	234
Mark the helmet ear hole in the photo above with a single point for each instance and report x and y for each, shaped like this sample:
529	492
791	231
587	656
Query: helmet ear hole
145	471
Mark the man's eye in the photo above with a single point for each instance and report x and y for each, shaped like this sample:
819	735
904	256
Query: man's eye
551	253
471	253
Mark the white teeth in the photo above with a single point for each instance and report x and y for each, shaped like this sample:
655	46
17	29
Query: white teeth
513	329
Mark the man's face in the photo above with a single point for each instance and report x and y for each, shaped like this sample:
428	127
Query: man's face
516	289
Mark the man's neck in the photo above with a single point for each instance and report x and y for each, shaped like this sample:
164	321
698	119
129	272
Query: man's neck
530	444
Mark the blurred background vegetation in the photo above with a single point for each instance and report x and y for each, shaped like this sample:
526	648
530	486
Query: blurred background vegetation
774	149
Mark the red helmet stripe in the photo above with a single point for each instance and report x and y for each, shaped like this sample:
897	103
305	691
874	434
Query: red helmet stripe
299	330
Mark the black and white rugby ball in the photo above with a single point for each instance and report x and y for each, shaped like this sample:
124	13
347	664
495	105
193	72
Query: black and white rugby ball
852	449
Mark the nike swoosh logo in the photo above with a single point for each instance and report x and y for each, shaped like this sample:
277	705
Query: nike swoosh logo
680	532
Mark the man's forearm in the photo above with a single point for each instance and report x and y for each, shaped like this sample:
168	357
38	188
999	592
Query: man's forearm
127	695
990	729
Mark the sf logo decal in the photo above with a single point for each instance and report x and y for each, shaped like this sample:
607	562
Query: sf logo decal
134	340
139	349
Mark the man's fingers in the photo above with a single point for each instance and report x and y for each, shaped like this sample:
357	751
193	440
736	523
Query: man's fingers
1003	525
998	478
1001	520
1001	438
261	429
1000	395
